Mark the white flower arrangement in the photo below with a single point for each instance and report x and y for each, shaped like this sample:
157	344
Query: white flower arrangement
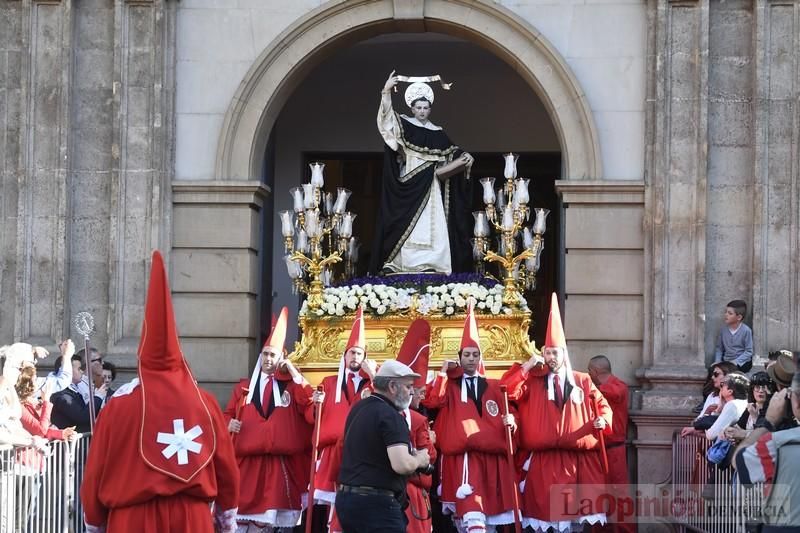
447	299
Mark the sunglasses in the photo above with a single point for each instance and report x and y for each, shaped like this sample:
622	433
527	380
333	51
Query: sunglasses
717	374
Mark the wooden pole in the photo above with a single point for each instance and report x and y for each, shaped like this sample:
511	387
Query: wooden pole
314	446
510	457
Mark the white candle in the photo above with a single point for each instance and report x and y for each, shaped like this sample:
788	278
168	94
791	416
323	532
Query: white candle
287	223
297	198
317	179
488	190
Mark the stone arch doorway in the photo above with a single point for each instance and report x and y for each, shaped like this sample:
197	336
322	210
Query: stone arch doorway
264	90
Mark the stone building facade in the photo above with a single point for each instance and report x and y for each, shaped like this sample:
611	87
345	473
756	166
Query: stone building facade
128	125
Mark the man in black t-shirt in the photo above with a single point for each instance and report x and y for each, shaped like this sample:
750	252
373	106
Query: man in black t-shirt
377	456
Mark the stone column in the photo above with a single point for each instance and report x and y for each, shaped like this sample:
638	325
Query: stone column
13	46
143	161
729	223
44	39
675	217
776	252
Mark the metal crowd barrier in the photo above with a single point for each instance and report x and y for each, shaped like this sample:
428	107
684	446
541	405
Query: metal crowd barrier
712	499
39	490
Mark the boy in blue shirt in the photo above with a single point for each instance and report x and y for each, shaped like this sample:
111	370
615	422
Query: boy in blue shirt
735	340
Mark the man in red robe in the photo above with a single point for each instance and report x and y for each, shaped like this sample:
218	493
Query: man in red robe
470	435
272	438
415	352
561	413
615	391
170	437
339	393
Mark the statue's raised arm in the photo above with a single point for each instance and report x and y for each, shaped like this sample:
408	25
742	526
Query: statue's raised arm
417	210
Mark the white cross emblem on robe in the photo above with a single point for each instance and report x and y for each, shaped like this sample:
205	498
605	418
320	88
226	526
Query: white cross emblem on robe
180	442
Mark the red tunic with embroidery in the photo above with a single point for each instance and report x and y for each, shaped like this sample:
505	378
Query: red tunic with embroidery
565	467
462	429
419	486
331	434
273	449
121	491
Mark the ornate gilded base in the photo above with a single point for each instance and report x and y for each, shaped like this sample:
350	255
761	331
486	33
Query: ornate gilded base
504	340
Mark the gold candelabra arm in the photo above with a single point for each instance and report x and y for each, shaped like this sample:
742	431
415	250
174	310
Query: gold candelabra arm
492	257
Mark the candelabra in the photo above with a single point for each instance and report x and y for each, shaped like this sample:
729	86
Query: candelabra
320	236
507	212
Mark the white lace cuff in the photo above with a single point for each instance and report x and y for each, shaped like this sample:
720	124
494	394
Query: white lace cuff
225	521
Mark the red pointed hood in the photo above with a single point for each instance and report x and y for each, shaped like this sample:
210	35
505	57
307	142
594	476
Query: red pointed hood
277	339
469	337
416	349
555	330
171	401
357	337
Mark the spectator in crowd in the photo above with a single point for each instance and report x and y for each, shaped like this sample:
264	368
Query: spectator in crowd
711	407
35	413
339	394
109	376
561	414
735	340
733	397
266	416
773	457
378	456
96	370
782	370
415	352
761	390
615	391
61	376
70	406
471	433
180	472
11	429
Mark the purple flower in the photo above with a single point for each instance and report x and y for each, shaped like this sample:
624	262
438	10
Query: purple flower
420	281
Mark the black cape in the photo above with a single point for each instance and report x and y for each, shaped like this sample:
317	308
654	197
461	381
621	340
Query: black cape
404	197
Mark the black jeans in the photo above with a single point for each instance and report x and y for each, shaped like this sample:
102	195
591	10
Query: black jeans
362	513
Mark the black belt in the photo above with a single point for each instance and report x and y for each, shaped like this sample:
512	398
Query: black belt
366	491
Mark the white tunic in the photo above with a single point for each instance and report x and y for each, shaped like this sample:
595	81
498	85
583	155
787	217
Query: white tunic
428	245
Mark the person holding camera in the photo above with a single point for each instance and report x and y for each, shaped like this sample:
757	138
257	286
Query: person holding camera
272	439
773	457
377	456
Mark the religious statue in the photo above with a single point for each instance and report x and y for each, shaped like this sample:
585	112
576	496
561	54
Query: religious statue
424	217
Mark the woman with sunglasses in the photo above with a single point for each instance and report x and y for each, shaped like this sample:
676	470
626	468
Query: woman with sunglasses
713	403
761	390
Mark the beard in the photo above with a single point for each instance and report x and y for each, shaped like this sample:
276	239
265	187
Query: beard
402	401
402	405
354	367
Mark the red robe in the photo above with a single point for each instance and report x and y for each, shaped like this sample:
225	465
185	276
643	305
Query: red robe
273	453
615	392
461	428
564	443
119	490
419	486
331	431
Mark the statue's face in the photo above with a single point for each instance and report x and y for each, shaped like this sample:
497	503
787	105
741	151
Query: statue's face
421	110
